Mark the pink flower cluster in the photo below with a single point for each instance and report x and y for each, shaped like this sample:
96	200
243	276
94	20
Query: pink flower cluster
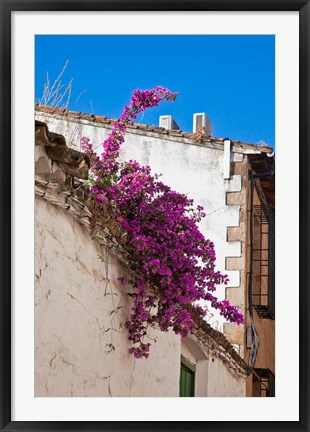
172	263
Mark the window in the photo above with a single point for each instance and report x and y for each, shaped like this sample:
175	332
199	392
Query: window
263	383
187	378
263	285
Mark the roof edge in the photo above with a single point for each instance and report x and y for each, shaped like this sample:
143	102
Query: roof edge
196	138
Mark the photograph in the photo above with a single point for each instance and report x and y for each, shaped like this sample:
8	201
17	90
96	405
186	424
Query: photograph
154	216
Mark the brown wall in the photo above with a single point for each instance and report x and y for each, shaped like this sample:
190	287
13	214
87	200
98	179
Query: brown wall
265	327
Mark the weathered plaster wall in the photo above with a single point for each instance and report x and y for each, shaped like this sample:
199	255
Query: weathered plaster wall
214	377
75	293
227	385
72	314
193	169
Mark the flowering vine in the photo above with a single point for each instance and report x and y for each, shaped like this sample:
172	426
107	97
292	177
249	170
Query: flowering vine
173	265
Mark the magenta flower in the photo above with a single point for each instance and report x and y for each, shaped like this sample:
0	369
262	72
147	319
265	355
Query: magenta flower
172	263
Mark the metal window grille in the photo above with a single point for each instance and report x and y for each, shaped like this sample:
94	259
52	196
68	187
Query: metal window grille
263	383
263	288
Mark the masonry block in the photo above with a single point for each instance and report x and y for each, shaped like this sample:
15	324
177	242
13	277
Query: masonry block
235	198
235	263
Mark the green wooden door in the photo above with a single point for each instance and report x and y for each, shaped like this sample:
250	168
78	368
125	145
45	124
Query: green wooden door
187	378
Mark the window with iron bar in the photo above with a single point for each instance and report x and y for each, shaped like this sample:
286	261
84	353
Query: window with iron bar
263	383
263	285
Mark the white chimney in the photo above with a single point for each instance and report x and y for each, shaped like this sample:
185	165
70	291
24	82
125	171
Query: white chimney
202	120
167	122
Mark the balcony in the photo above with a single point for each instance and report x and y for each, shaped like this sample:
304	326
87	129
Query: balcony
263	288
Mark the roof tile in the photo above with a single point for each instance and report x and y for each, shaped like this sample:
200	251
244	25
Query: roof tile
156	129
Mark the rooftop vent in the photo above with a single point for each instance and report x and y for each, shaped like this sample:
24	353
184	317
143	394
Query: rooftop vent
201	120
167	122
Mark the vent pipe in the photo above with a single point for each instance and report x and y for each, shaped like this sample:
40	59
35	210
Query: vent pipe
227	156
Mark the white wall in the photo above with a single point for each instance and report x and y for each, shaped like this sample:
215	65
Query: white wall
72	314
73	303
221	382
188	168
214	377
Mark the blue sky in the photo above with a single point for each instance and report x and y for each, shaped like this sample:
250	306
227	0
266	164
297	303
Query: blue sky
230	78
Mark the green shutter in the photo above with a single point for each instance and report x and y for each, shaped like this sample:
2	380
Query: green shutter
187	378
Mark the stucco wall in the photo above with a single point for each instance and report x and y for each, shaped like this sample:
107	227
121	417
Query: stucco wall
228	385
72	314
214	377
73	305
193	169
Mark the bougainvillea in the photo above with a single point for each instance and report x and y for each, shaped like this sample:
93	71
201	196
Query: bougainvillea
172	264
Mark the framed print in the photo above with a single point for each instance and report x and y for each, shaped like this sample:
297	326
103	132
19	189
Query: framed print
154	238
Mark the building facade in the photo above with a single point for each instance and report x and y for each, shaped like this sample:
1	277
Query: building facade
222	176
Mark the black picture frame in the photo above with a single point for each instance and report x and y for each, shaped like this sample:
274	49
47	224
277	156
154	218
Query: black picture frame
7	7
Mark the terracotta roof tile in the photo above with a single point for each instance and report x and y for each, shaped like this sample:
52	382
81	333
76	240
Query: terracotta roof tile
73	162
149	128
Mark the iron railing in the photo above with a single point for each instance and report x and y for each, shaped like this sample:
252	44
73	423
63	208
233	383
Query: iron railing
263	285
